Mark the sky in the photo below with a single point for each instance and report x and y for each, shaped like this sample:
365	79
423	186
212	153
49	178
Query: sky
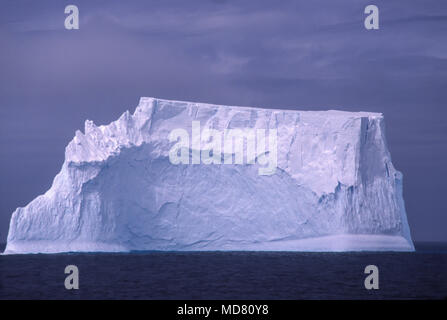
306	55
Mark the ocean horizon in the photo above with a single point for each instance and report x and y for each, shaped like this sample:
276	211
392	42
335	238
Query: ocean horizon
227	275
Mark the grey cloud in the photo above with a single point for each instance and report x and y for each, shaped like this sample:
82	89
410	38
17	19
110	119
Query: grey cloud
292	54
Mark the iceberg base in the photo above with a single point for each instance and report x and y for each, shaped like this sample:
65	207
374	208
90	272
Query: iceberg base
335	243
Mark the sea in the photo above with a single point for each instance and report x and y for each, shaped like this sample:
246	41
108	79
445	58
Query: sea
228	275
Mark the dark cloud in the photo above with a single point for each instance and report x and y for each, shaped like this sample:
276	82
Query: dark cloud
289	54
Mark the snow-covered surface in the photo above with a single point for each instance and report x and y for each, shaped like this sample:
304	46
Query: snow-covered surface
335	187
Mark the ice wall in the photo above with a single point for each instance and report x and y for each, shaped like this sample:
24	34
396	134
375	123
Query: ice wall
334	189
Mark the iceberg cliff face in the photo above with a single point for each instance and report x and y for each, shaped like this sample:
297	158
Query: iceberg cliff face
334	187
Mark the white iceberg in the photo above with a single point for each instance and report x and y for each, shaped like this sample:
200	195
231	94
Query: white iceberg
334	188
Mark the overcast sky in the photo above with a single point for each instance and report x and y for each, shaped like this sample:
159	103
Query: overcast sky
311	55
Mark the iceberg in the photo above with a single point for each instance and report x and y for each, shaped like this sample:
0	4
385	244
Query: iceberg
333	187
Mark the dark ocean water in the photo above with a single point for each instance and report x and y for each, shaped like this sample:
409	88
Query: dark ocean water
227	275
